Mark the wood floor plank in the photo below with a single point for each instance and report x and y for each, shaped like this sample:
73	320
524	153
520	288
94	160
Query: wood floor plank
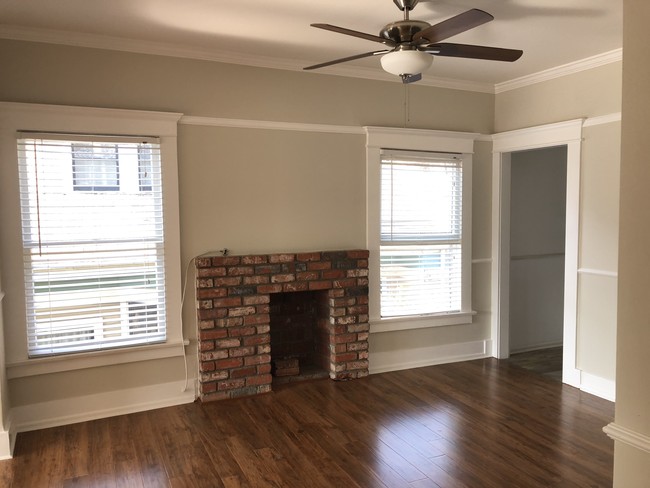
478	424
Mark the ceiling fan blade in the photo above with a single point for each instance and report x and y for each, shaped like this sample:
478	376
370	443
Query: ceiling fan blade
474	52
353	33
450	27
349	58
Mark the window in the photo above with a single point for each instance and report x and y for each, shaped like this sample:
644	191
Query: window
421	233
93	245
95	167
419	227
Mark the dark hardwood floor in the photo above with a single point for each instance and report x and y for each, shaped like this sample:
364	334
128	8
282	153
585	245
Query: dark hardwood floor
483	423
547	362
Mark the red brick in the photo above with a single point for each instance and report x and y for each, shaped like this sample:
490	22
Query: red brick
243	372
362	364
213	397
358	254
204	283
341	338
231	281
336	293
257	280
257	300
228	363
260	379
348	319
217	375
231	384
207	335
257	340
259	359
227	343
345	357
357	273
283	278
364	327
357	346
204	293
307	275
264	368
343	302
257	319
282	258
206	324
264	349
210	272
254	259
263	329
296	286
203	262
240	311
208	387
308	256
212	355
225	260
320	285
358	309
319	265
262	289
241	351
241	331
214	313
207	366
333	274
240	271
362	336
227	302
232	322
346	283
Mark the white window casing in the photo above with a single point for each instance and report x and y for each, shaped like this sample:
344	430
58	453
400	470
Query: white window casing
118	169
420	261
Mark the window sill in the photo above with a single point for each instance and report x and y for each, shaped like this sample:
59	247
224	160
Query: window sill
57	364
420	322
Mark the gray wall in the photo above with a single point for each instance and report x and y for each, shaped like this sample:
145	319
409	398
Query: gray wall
537	235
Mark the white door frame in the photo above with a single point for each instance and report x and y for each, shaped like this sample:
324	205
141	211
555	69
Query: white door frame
561	134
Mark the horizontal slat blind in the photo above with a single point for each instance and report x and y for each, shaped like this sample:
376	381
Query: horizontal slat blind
421	233
92	223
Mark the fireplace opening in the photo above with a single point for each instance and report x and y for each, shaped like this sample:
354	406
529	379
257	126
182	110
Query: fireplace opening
299	335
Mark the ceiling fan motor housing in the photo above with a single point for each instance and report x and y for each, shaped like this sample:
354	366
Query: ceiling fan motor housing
403	31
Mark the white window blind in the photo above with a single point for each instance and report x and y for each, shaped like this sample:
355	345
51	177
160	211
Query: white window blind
93	242
421	233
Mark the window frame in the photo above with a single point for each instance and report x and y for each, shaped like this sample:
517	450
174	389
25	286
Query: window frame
381	138
17	117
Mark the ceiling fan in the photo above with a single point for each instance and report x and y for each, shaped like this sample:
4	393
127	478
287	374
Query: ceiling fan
411	44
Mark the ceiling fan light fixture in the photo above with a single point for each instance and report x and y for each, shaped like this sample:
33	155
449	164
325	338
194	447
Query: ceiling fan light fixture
406	62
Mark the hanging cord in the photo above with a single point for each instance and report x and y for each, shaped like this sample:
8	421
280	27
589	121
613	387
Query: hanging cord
223	252
407	105
187	272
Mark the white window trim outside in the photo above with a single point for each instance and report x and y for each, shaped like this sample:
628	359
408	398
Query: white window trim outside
378	138
15	117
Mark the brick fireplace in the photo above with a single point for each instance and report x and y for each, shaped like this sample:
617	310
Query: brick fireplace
241	298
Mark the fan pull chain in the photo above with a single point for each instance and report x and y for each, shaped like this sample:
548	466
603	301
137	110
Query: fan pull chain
407	106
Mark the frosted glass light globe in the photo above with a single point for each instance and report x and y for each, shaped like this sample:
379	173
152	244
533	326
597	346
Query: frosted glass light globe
409	62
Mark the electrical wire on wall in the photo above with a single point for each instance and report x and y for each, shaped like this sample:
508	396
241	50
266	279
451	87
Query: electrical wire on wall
185	342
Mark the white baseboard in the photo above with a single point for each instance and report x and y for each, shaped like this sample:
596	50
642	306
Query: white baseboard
598	386
537	347
6	445
101	405
399	359
627	436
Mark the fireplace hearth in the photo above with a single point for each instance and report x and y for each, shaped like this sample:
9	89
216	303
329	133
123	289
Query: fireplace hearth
256	312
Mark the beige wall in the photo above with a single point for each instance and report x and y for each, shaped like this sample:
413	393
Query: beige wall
631	464
585	95
249	190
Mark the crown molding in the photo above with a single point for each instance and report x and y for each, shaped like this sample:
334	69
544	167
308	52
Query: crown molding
77	39
95	41
559	71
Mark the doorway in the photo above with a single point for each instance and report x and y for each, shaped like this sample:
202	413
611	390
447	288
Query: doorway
530	255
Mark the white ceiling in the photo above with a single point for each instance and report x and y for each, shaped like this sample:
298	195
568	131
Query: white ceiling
276	33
